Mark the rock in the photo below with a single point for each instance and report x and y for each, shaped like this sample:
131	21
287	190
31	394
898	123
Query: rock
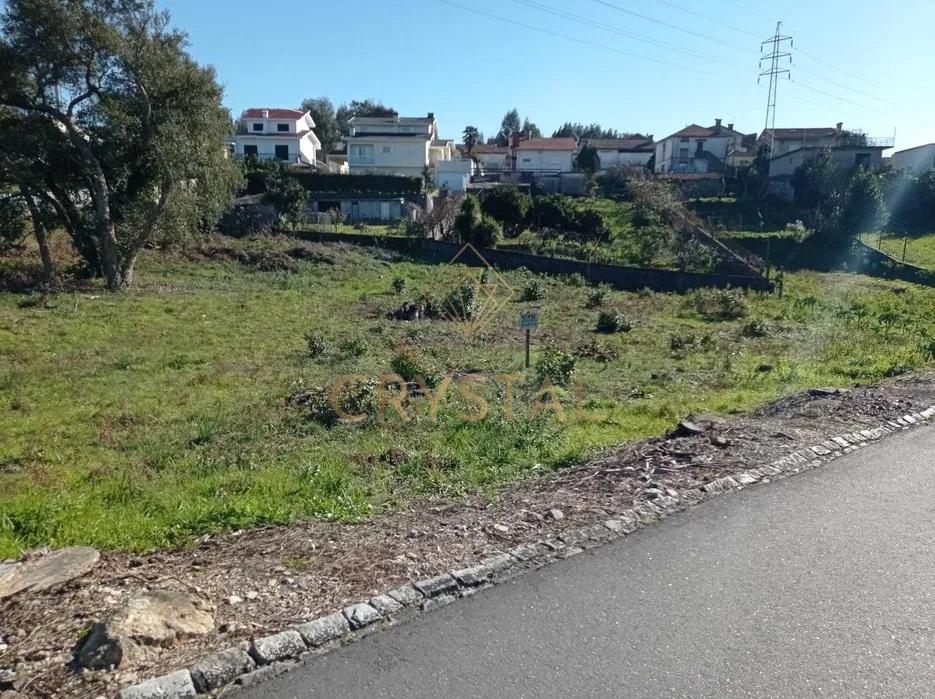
652	493
252	595
234	600
324	629
158	618
556	514
502	528
827	391
220	669
178	685
699	424
45	571
437	585
719	441
406	595
385	604
280	646
360	615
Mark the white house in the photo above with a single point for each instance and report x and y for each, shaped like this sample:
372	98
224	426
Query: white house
543	156
396	145
454	175
280	134
695	149
783	167
492	158
635	150
919	160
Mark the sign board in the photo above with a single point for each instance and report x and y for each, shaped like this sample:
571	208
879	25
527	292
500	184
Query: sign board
529	320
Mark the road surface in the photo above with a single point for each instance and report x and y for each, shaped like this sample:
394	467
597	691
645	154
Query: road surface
818	585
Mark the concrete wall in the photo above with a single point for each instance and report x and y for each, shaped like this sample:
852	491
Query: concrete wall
544	161
387	155
920	160
299	149
669	159
610	158
628	278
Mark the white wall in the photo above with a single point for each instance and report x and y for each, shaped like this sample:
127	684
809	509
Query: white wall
492	161
544	160
920	160
387	155
454	174
610	158
668	153
303	149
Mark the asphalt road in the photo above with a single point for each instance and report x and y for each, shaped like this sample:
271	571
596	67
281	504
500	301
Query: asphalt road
819	585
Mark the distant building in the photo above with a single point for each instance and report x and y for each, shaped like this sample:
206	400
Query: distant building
695	150
396	145
792	148
919	160
491	158
544	156
277	134
635	150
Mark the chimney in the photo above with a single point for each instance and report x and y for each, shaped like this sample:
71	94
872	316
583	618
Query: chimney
266	114
840	127
431	115
717	126
730	127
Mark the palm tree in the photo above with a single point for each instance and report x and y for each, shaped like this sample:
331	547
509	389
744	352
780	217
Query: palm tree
471	137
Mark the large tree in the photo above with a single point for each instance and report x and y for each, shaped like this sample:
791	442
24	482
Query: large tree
530	129
361	108
326	121
510	124
142	126
471	137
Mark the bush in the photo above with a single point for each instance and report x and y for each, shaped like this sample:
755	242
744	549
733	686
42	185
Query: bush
462	302
591	226
612	322
356	398
486	234
553	211
469	217
509	206
533	291
573	279
431	303
354	347
754	328
399	285
317	345
596	297
720	304
691	255
556	366
412	365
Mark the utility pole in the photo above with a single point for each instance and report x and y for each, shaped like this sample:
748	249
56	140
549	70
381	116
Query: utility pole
776	53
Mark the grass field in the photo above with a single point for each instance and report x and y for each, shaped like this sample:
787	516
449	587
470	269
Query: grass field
143	420
919	249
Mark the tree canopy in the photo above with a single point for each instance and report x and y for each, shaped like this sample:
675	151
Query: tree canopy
510	124
124	131
326	121
579	130
361	108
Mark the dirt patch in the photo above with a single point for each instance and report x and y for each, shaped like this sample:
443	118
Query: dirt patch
264	580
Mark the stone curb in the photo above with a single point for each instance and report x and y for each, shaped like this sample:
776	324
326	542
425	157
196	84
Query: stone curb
279	652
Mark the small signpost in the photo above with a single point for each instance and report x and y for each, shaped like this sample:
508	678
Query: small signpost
528	321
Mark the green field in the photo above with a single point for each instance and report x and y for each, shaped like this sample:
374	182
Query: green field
143	420
919	249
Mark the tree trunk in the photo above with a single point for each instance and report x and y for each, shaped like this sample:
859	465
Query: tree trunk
39	230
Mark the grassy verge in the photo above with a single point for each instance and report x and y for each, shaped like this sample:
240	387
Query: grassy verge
144	420
919	249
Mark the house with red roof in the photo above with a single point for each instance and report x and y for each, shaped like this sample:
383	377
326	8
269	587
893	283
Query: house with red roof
695	150
277	134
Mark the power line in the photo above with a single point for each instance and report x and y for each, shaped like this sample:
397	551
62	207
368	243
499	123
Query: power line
841	85
585	42
676	27
636	37
680	8
834	97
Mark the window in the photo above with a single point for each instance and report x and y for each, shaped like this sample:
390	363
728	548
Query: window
257	126
282	128
249	150
362	155
862	159
386	149
699	146
282	152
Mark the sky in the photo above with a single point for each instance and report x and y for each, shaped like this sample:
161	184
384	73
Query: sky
651	66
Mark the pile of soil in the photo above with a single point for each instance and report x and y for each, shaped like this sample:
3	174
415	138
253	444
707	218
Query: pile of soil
266	579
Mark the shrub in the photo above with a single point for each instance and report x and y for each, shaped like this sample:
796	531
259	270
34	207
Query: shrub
754	328
692	256
462	302
596	351
317	345
683	341
720	304
552	211
509	206
411	364
485	234
399	285
468	218
354	347
533	291
612	322
574	279
596	297
431	303
591	226
356	398
557	366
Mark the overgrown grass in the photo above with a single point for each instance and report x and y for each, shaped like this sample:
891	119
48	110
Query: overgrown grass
919	249
143	420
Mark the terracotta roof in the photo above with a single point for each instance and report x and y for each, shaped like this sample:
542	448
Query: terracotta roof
257	113
799	134
548	144
485	149
622	144
694	131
